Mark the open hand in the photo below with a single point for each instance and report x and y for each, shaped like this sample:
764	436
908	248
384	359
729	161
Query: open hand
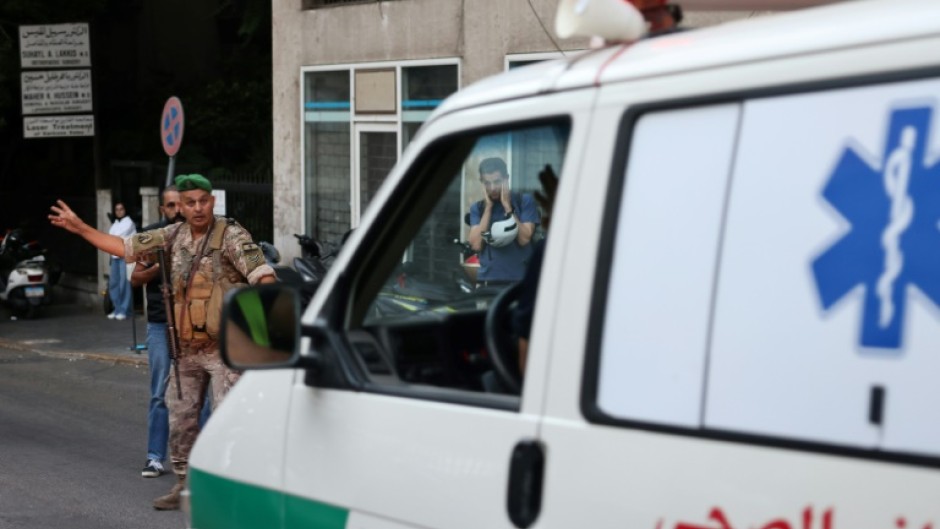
63	217
487	201
504	196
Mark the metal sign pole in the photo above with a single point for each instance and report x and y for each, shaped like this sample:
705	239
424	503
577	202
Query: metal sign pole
171	136
170	170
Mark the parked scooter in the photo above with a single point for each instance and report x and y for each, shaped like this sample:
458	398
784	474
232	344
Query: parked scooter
309	269
315	258
470	263
285	274
24	277
411	290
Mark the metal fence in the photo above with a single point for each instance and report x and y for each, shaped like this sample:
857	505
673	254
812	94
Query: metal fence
249	196
249	199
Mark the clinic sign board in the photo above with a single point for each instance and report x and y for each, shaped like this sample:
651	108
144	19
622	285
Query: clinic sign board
55	46
219	208
58	126
56	91
55	80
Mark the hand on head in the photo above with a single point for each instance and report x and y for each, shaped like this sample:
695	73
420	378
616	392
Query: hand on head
504	196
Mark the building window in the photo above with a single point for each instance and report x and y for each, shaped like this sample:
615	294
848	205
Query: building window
327	128
423	89
357	119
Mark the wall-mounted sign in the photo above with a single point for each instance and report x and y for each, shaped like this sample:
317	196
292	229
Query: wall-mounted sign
54	46
58	126
375	91
56	91
219	208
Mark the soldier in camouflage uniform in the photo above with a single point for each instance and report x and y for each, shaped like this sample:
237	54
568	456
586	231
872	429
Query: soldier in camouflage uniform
209	256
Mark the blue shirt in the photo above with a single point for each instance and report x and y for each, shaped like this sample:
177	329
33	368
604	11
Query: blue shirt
506	263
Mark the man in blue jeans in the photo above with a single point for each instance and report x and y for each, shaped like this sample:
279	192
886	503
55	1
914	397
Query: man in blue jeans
158	350
158	353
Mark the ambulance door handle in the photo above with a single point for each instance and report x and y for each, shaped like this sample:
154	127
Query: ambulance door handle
524	495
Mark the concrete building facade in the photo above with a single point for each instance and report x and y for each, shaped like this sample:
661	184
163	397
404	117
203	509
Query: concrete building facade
354	79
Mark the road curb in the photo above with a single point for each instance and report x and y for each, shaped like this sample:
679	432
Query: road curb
140	360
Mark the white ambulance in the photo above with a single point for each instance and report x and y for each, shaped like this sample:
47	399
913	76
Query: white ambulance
737	323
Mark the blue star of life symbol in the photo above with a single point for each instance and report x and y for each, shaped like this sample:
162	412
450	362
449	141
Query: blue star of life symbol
894	240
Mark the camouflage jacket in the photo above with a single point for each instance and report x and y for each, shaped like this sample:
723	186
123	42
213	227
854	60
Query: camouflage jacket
230	260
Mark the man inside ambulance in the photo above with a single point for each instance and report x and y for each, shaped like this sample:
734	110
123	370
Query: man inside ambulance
501	227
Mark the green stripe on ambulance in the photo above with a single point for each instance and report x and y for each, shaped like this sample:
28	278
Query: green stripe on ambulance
224	503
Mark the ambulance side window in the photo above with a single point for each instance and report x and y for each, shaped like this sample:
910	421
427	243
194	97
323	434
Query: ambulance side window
827	314
779	281
418	318
654	339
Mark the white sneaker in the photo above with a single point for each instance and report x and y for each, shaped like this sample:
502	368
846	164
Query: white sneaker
112	315
120	317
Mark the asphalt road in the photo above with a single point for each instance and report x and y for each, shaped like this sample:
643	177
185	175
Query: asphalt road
72	443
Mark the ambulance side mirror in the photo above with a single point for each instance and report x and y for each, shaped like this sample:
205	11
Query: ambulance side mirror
261	327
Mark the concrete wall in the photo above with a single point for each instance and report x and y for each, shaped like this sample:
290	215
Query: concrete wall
287	52
103	198
478	32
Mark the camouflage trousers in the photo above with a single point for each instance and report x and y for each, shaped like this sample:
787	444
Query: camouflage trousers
200	367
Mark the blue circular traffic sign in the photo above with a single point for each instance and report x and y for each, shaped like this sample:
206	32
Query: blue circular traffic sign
171	126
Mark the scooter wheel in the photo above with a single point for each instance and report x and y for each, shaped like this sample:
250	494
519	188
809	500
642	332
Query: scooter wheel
26	313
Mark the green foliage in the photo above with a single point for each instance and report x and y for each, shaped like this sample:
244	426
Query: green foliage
230	116
231	121
228	113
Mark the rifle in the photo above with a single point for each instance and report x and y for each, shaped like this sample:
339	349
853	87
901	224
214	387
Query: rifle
172	337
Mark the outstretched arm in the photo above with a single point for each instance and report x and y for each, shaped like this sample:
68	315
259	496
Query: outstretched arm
63	217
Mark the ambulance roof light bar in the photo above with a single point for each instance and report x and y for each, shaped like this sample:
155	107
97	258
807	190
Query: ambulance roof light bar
629	20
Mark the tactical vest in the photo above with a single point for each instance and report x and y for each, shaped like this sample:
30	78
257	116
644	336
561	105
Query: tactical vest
198	300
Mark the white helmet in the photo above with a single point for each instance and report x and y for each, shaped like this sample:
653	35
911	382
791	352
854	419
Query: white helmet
503	232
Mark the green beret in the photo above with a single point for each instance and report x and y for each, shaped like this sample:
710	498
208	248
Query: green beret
189	182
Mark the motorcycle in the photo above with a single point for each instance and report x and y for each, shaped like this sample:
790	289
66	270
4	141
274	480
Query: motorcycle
24	275
284	274
412	290
309	269
315	257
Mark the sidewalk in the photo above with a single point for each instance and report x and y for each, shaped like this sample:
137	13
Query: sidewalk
72	330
